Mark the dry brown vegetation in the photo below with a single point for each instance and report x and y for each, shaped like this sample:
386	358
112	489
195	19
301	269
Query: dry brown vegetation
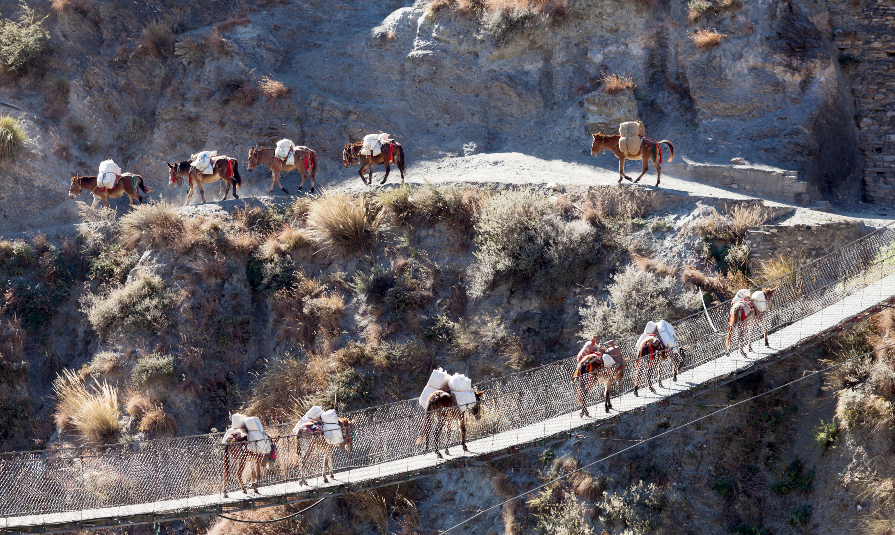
91	411
341	221
273	89
232	22
616	83
158	38
706	38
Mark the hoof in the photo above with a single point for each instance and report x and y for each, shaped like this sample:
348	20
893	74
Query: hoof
325	480
767	344
674	379
438	454
225	495
584	413
653	390
285	191
446	452
465	448
635	393
235	196
299	188
312	190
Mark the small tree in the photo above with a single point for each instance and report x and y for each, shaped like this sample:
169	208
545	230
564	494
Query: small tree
22	43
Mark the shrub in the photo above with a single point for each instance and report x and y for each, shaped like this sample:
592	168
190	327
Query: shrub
638	507
635	297
800	516
104	362
144	303
271	275
795	478
153	368
23	44
705	38
857	407
568	517
723	486
151	225
825	434
93	412
448	204
12	137
615	83
744	216
159	38
776	267
279	392
746	529
112	264
34	303
242	90
273	89
519	238
155	420
138	404
339	221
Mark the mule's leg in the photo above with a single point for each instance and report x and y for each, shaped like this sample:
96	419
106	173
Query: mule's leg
649	373
621	169
227	190
463	431
764	327
301	171
189	194
273	180
388	169
645	169
106	200
582	398
607	395
202	191
96	200
658	173
327	457
438	428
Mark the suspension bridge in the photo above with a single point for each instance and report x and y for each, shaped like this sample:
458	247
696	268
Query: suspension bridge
123	484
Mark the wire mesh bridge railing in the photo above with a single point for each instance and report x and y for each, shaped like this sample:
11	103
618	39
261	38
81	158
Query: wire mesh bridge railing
120	480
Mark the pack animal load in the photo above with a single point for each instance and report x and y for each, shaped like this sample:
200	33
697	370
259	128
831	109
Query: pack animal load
311	422
204	161
437	381
756	299
650	330
285	151
258	441
108	174
667	335
596	352
458	385
373	144
332	431
632	133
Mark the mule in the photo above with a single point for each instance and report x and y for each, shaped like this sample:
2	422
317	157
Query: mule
236	449
443	406
653	352
226	169
590	372
742	312
305	163
310	443
129	184
649	150
392	152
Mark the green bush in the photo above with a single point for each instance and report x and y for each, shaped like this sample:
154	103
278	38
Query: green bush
635	297
12	137
112	264
723	486
270	275
638	507
518	237
795	478
800	516
23	44
825	434
144	303
153	368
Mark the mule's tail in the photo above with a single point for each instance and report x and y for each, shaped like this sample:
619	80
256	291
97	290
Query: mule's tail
238	179
400	157
142	185
312	163
670	148
424	428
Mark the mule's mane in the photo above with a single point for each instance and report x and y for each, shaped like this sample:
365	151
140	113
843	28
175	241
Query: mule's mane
605	137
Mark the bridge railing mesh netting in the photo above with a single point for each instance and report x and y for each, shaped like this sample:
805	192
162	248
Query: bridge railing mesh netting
385	437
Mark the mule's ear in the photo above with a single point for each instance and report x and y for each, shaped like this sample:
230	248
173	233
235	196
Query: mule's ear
479	392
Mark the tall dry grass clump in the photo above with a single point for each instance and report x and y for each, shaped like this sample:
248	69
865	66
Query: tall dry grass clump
158	38
776	267
706	38
151	225
273	89
340	221
12	137
144	303
92	412
745	216
616	83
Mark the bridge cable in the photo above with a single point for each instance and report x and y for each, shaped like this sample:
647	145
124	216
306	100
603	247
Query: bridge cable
669	431
276	519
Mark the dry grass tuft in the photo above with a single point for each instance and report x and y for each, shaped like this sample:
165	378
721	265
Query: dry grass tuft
615	83
155	420
151	225
92	412
273	89
745	216
702	281
158	38
340	221
648	264
705	38
232	22
215	42
138	404
774	268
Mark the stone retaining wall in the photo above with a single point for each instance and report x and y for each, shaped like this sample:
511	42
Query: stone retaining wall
775	184
805	242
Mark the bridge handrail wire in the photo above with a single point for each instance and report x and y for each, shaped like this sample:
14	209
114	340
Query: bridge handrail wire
93	477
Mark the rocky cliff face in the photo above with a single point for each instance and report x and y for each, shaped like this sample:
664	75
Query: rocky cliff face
444	82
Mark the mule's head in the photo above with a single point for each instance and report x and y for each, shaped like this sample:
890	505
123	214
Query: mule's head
347	433
347	156
597	144
75	186
253	159
175	179
476	410
768	295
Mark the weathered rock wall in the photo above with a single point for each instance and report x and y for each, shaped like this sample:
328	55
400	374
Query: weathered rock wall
805	242
865	35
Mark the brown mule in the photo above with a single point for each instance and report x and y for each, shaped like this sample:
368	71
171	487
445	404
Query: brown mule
742	312
649	150
593	372
236	451
310	443
305	164
392	152
226	169
129	184
444	405
652	352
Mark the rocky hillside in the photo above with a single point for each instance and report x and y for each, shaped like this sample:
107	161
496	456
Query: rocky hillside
155	82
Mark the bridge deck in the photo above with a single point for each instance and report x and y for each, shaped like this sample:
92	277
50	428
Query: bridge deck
780	341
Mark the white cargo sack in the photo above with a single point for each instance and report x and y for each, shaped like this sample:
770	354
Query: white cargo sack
631	129
258	441
741	294
608	361
650	328
286	150
204	163
107	174
373	144
761	303
237	421
666	333
313	413
461	387
332	431
437	381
